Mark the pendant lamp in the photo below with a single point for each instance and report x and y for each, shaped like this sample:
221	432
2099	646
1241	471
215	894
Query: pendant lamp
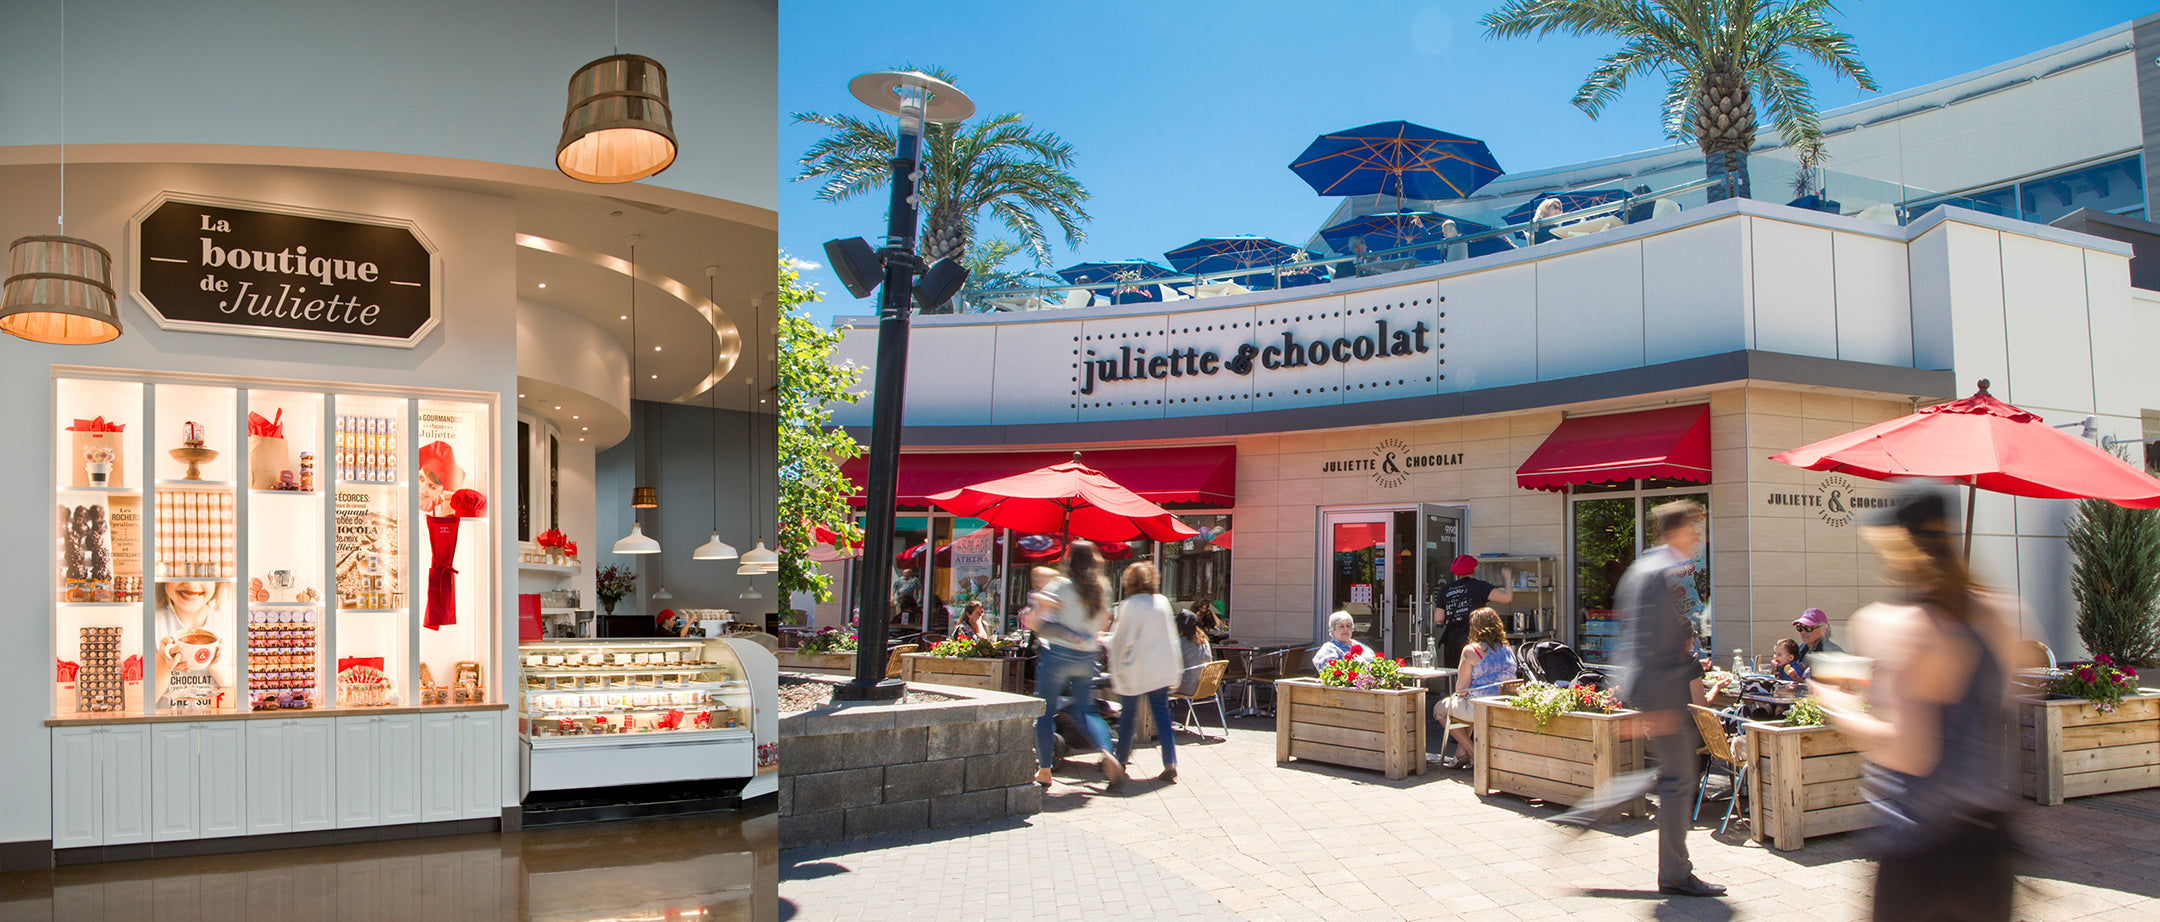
761	559
617	127
714	549
636	542
59	288
642	497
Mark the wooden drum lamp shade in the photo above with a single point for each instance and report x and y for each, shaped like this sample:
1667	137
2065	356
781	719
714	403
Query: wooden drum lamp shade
59	290
618	127
645	498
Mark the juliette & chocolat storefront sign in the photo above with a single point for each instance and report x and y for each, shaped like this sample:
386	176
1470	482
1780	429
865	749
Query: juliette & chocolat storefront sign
211	265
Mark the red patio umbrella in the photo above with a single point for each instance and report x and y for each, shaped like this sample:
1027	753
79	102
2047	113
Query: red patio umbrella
1071	500
1221	540
1985	444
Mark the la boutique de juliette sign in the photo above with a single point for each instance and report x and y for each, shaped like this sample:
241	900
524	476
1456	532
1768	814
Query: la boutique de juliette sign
212	265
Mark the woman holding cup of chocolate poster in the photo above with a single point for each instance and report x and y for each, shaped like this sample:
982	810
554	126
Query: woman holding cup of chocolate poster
192	670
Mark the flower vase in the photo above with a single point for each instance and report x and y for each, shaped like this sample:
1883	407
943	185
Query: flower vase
607	606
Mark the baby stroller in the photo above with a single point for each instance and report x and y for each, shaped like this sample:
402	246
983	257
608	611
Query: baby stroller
1555	663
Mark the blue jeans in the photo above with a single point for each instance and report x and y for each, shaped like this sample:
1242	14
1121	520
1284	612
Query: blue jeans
1065	678
1159	702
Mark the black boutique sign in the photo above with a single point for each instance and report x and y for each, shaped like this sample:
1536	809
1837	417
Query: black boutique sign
218	266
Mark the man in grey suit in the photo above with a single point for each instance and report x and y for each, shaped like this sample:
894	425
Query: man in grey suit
1660	659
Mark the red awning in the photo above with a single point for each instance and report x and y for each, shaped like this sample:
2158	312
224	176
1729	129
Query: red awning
1198	475
1670	442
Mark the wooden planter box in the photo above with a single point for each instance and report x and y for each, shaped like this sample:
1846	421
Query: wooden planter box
1383	731
998	673
792	661
1804	782
1560	764
2070	749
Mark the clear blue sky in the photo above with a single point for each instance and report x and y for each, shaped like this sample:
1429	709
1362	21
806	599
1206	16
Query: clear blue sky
1184	114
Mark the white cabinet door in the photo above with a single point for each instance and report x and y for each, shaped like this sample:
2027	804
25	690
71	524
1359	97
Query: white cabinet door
480	750
124	765
356	782
269	800
173	782
77	788
397	768
220	764
310	758
439	768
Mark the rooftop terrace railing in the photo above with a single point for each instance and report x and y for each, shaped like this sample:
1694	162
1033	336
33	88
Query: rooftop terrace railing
1828	191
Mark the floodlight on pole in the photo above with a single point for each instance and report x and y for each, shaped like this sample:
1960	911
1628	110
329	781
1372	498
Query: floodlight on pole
916	99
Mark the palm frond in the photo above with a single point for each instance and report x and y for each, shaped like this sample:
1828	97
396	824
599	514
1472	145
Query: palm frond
1606	83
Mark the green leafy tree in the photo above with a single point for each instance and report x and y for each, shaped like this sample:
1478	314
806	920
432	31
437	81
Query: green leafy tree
1716	57
2115	578
999	164
813	492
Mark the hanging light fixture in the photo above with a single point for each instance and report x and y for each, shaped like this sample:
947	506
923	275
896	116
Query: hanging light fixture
714	549
761	559
617	127
641	497
59	288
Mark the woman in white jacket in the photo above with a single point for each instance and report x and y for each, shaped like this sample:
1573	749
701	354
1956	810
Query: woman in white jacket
1144	662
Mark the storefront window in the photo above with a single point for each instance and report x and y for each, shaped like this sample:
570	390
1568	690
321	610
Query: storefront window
1608	532
1197	570
911	534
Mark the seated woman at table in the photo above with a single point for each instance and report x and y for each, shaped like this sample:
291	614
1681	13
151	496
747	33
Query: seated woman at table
1193	644
1340	628
1488	662
1786	664
970	626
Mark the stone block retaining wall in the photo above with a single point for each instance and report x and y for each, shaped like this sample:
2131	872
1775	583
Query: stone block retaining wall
860	769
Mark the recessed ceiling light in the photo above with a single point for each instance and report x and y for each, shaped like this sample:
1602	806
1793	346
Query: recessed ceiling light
573	416
521	396
623	317
656	377
558	408
585	429
543	284
656	348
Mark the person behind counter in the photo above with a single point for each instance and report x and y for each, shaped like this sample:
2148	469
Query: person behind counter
1460	597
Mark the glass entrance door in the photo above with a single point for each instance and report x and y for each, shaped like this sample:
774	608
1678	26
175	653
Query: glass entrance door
1439	541
1357	561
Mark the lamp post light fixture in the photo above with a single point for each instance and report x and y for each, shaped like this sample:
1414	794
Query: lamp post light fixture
916	99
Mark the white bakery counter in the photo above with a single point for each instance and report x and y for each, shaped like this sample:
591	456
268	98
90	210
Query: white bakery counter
172	777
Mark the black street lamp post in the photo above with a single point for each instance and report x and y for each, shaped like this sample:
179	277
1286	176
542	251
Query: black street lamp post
916	99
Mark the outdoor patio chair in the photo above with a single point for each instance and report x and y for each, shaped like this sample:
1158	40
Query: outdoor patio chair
1663	207
1723	761
1261	672
1207	692
892	662
2033	654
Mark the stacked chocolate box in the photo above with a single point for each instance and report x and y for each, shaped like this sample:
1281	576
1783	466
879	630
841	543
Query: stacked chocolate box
97	683
281	657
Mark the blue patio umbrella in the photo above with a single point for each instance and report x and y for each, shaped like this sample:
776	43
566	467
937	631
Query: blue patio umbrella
1228	254
1569	201
1403	159
1394	230
1123	280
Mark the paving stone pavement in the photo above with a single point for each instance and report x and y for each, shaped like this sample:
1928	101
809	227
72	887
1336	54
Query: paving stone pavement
1239	837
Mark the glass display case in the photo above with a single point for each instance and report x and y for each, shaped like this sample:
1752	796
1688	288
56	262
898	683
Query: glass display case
591	711
225	546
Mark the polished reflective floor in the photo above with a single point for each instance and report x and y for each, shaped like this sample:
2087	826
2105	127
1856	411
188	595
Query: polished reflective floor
709	867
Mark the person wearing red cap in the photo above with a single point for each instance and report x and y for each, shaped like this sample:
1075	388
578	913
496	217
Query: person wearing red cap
1460	597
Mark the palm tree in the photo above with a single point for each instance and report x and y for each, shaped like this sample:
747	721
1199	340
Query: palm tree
999	164
1716	55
